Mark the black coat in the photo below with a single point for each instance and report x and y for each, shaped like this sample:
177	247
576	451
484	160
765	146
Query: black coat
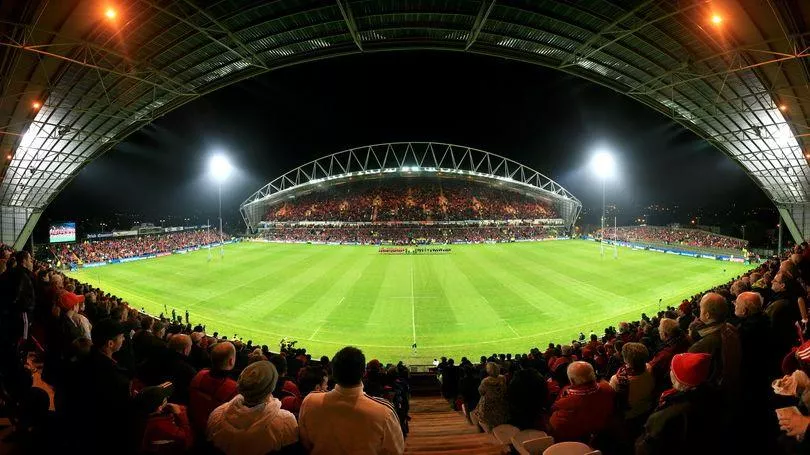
682	424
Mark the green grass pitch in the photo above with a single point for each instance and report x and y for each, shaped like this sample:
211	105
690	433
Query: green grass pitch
477	300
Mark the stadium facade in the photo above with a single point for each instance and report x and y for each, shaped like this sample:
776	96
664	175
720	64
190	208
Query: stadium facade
408	160
75	85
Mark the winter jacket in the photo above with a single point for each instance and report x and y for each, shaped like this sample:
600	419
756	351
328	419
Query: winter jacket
237	429
167	429
208	390
581	411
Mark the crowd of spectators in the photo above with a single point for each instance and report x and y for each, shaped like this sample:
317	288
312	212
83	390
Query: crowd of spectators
127	247
125	382
406	234
692	379
673	236
430	200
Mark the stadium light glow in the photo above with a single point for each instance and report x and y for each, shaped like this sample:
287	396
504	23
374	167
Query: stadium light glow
717	19
36	105
782	107
603	165
110	13
219	167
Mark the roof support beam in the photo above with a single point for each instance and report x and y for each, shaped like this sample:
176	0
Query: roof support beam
480	20
348	17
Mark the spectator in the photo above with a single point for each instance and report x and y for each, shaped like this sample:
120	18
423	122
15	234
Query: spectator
527	395
684	420
198	357
312	379
584	408
721	340
19	303
253	423
166	426
673	342
177	368
634	387
345	420
212	387
286	390
492	408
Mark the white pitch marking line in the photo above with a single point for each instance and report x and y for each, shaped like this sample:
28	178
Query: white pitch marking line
413	308
322	323
510	328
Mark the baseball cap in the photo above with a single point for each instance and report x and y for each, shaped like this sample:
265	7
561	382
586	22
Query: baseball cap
106	329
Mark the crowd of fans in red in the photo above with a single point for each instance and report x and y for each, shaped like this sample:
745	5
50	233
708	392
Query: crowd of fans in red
693	379
674	236
433	200
407	234
126	247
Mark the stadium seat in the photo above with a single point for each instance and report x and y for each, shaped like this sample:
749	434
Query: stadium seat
534	446
504	433
570	448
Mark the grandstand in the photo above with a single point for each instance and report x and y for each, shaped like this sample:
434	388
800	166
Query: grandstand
370	194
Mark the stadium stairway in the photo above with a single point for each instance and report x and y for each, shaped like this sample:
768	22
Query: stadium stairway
435	429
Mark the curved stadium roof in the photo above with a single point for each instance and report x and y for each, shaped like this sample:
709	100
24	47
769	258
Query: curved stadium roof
743	85
409	158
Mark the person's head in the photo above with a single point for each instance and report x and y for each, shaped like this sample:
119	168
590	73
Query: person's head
280	362
256	382
713	308
493	369
147	323
159	329
689	370
635	356
738	287
566	350
668	328
223	356
180	343
747	304
624	327
581	373
594	338
312	379
108	336
24	260
152	399
348	366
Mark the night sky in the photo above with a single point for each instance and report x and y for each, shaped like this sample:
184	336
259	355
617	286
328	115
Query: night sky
542	118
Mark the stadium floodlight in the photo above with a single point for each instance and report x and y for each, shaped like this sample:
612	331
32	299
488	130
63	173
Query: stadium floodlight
220	168
604	166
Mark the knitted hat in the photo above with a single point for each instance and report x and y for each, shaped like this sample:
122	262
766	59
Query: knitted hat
685	307
257	381
68	300
691	369
803	352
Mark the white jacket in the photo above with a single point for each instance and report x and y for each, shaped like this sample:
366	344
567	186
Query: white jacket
237	429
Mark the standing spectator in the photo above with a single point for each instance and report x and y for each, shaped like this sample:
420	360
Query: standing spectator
166	427
584	408
286	390
684	421
253	423
721	340
177	369
492	409
18	301
198	357
212	387
345	420
527	395
450	382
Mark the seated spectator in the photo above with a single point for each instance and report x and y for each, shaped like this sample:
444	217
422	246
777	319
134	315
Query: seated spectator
166	426
212	387
683	421
584	408
673	342
198	357
253	423
312	379
345	420
178	370
492	408
634	387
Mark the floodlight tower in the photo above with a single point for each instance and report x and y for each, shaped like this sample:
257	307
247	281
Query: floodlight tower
603	165
220	168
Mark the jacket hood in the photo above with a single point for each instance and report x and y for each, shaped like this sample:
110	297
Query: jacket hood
241	417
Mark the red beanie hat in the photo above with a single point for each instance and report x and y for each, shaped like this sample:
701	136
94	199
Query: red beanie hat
68	300
690	369
684	307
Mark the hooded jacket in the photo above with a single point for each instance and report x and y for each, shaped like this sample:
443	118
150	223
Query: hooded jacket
237	429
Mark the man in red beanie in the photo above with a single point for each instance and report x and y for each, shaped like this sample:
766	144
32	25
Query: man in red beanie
685	412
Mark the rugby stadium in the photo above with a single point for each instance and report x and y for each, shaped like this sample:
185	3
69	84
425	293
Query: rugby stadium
401	297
